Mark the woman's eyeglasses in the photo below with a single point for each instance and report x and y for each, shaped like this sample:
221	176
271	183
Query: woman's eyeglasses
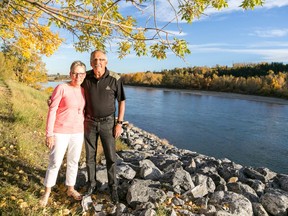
78	74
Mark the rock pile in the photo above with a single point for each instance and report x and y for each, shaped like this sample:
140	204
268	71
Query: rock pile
156	178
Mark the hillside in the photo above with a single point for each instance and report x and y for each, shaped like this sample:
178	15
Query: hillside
23	155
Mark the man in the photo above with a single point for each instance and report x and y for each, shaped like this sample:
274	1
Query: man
102	88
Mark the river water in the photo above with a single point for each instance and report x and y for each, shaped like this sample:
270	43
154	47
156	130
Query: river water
251	131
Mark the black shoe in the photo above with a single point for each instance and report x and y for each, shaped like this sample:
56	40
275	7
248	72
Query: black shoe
91	190
114	197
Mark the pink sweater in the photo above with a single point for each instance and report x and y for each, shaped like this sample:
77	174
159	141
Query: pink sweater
66	112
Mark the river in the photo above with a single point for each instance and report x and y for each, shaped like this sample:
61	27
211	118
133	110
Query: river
248	130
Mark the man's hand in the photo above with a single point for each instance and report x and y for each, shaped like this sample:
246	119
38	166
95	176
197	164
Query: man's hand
118	130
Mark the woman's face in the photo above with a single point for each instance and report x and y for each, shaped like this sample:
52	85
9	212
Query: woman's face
77	75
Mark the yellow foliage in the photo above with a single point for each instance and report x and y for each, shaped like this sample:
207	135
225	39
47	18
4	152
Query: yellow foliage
30	25
21	27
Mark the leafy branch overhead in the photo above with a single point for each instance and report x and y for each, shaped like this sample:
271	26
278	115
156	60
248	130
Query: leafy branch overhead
34	26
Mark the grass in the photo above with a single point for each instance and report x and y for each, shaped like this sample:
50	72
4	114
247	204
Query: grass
30	111
24	157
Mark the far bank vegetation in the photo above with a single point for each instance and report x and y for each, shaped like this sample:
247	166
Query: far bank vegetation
265	79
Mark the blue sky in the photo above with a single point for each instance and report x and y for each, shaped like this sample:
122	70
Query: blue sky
221	37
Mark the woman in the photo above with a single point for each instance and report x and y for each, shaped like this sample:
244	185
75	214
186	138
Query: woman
65	131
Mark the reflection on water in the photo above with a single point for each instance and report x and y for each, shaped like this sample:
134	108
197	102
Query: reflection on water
252	133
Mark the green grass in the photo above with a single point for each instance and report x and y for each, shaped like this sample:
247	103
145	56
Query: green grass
30	111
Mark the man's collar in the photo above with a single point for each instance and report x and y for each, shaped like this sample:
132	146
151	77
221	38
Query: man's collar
91	73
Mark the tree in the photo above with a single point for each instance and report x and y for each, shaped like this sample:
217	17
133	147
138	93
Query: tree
6	67
27	70
33	25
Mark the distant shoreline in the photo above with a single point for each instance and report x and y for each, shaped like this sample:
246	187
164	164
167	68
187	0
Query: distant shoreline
257	98
230	95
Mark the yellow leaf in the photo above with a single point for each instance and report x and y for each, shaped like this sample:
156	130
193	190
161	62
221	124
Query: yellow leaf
66	212
13	198
23	205
20	201
233	179
168	202
190	203
3	204
226	206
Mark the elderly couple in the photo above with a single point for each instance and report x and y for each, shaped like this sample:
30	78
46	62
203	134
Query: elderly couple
89	98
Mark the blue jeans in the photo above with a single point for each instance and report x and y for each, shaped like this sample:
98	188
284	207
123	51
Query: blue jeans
92	131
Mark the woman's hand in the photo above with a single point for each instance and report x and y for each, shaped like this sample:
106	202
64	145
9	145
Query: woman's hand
50	142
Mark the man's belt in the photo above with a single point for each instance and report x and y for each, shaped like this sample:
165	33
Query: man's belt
99	119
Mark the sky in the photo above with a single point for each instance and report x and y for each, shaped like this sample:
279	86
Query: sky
224	37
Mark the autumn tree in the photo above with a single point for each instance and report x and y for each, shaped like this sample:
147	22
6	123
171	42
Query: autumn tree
6	67
33	26
26	70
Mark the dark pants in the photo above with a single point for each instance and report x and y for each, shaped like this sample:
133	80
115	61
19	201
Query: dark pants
104	130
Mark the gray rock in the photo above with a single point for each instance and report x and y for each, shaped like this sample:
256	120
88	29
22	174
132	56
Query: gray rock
257	185
259	210
102	179
144	191
120	209
283	181
249	172
181	181
275	202
267	173
148	212
125	171
177	201
204	185
243	189
149	171
98	207
230	203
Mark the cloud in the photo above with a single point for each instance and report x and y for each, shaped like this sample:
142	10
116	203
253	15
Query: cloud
275	55
271	52
281	44
165	12
270	33
275	3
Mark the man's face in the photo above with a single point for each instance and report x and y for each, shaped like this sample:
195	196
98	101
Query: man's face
98	63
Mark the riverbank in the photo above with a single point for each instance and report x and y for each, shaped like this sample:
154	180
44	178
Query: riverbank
156	178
